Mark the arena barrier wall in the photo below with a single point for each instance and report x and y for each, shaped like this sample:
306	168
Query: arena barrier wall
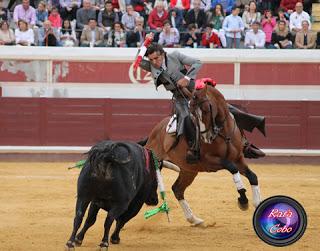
78	96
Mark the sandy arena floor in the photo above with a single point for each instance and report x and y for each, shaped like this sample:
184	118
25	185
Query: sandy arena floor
37	208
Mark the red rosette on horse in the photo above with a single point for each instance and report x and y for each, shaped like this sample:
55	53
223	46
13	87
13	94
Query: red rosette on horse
202	82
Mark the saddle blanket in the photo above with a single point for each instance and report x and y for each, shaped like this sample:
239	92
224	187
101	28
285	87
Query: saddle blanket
172	125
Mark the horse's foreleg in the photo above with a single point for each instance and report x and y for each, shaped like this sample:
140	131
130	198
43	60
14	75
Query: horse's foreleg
232	168
253	180
183	181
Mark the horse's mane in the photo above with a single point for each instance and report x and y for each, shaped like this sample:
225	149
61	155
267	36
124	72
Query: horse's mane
215	95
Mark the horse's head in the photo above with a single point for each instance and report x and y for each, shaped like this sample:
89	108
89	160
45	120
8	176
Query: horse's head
205	112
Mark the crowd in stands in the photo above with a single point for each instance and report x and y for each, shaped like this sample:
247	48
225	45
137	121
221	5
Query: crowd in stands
276	24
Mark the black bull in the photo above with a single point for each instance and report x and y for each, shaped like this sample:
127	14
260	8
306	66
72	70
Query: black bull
114	178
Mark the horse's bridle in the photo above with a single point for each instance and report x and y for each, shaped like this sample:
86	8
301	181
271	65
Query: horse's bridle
216	128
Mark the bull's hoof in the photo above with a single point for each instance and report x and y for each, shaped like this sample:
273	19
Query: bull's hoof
115	240
70	246
103	246
78	242
243	204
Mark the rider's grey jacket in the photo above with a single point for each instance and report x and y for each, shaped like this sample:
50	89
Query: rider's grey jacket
175	69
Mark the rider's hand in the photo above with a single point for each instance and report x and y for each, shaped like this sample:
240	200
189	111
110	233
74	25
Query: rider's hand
183	82
150	35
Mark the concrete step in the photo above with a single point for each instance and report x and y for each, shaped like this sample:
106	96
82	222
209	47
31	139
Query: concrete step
316	26
315	8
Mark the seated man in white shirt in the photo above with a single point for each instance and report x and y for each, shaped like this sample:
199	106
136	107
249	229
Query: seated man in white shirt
255	38
297	17
169	37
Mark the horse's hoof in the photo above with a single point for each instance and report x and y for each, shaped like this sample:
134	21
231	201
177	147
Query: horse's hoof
201	225
78	242
103	246
195	221
70	246
115	240
243	205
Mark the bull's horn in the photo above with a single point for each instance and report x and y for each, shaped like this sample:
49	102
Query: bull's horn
121	161
171	166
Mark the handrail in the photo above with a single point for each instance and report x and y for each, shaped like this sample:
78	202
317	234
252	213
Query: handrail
128	54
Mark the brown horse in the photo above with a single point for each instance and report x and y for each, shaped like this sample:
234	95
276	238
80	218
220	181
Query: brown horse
221	148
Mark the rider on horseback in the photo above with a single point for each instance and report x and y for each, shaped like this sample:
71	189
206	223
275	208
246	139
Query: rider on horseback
169	70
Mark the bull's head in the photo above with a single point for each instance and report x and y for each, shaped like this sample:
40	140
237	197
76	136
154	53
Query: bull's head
104	155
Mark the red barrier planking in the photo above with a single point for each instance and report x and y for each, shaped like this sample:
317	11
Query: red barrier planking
83	122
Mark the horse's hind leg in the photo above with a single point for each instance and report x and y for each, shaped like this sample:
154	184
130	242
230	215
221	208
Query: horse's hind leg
253	180
183	181
232	168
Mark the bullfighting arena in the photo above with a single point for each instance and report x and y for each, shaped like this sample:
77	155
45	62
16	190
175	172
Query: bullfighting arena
37	209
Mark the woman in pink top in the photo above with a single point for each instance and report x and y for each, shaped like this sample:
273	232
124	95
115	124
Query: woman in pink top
268	25
55	19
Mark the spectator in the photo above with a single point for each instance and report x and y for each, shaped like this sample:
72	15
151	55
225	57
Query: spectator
281	37
216	18
24	35
251	16
297	17
84	14
305	39
268	25
4	13
55	19
139	6
6	34
69	9
53	3
289	5
41	14
156	19
204	5
117	36
129	18
243	5
264	5
12	2
48	35
282	16
176	19
210	39
119	5
67	35
182	5
136	38
191	39
92	35
169	37
233	26
97	5
255	38
196	16
107	17
226	4
24	12
307	6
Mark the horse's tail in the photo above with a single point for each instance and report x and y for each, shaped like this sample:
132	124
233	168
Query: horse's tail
143	142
